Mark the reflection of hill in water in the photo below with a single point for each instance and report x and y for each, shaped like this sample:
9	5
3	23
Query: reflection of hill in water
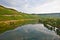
30	32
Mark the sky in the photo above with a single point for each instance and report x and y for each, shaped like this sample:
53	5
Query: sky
33	6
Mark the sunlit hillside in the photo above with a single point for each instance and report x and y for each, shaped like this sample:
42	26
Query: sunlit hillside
11	14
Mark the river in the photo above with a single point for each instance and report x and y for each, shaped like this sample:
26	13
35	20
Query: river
30	32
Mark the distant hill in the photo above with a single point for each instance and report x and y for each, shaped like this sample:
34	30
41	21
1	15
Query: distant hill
50	15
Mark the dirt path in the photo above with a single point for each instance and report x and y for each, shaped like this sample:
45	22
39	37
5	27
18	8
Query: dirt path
15	20
11	15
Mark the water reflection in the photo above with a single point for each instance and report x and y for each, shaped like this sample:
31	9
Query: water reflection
30	32
56	30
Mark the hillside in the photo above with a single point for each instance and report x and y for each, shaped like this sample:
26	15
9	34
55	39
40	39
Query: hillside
7	11
11	14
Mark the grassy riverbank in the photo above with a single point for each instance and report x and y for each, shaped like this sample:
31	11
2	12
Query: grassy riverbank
53	21
4	26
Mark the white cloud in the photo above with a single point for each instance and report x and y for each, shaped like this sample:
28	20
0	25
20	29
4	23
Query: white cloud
50	7
33	6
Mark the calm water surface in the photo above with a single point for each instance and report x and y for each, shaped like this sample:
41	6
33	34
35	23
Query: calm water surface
30	32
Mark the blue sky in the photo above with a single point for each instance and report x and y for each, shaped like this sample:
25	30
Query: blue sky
33	6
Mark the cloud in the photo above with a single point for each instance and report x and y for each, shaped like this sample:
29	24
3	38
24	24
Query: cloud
48	7
15	4
33	6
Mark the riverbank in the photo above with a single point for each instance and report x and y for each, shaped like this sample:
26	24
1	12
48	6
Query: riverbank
11	24
54	22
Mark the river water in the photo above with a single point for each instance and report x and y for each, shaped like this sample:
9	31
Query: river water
30	32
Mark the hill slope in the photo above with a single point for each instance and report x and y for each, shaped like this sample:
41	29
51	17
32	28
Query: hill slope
7	11
11	14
